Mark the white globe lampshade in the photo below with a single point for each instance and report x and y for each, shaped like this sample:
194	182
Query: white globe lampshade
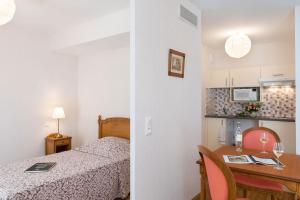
238	45
7	11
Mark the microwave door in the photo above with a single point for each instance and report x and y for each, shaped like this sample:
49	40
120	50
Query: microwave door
253	96
249	94
241	95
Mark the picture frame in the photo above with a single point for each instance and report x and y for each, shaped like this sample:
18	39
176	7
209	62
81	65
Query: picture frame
176	63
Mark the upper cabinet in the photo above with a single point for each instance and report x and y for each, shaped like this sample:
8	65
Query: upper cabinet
245	77
269	72
235	77
218	78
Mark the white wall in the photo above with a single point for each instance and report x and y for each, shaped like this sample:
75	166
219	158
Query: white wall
91	30
113	42
297	48
205	65
261	54
34	79
164	163
32	82
103	88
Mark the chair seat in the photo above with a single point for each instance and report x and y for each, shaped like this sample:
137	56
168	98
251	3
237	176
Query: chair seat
258	183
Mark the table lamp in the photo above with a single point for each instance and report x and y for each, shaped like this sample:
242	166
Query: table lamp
58	114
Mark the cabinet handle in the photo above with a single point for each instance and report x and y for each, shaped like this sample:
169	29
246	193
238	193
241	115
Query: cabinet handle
232	82
226	81
222	122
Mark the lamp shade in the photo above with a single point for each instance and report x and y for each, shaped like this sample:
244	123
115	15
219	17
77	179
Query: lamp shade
7	11
58	113
238	45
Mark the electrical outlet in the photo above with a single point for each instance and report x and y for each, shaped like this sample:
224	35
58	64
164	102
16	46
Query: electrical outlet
148	126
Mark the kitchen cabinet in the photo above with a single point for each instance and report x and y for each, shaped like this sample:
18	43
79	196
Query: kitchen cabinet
286	132
218	78
214	127
245	77
269	72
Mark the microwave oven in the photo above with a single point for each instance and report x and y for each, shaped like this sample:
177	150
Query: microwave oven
245	94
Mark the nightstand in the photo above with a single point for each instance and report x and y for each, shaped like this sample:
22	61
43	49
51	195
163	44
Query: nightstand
56	145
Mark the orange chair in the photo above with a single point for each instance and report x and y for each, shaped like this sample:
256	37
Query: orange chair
220	179
251	140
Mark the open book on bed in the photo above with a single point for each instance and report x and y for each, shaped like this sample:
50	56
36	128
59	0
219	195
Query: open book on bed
249	159
40	167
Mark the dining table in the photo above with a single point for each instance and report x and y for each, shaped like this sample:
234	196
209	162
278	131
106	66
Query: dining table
289	176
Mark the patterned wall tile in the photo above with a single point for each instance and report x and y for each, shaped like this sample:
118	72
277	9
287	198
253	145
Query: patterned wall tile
277	102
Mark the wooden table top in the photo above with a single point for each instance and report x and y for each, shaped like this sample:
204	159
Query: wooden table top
291	171
56	139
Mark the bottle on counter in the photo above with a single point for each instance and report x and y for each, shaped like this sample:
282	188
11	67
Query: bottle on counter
238	138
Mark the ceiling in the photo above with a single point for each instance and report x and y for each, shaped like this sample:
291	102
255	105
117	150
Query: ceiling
261	20
49	16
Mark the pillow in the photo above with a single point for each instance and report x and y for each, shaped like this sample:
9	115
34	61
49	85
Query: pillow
110	147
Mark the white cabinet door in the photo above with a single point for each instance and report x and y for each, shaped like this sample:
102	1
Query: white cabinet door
214	126
245	77
268	72
286	132
218	78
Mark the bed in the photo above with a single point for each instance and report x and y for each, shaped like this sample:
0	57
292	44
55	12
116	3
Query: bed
99	170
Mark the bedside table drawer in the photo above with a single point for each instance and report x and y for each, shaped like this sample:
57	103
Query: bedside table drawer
62	142
57	145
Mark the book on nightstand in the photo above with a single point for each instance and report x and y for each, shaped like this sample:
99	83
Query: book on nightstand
40	167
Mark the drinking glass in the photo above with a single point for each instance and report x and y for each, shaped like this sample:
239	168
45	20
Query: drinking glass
264	139
278	151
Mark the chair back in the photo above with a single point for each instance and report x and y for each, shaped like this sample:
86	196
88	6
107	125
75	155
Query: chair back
251	138
220	179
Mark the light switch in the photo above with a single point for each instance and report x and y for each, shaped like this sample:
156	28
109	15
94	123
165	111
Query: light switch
148	126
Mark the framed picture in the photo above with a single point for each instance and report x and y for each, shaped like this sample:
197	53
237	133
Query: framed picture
176	63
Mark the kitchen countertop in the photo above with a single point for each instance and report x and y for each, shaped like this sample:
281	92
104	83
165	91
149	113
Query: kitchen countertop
267	118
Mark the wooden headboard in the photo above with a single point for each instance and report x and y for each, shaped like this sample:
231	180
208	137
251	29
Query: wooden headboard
115	126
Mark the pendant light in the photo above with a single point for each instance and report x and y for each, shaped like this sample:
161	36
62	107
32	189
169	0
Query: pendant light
238	45
7	11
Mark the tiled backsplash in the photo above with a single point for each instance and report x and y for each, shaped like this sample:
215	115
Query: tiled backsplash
277	102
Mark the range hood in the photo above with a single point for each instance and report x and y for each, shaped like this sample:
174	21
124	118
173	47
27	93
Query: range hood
277	82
